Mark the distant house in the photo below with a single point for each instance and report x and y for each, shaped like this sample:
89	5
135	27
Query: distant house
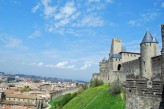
21	100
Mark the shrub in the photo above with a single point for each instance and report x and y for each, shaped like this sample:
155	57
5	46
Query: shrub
84	86
58	104
25	89
1	81
115	88
96	82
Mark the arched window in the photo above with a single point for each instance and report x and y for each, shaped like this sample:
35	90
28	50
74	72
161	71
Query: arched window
119	67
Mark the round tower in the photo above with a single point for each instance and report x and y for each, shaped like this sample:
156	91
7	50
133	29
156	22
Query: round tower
162	51
148	49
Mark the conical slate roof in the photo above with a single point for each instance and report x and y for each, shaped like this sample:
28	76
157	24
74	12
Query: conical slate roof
116	56
148	38
155	40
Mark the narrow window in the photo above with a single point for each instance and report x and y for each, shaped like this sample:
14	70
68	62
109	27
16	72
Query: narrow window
119	67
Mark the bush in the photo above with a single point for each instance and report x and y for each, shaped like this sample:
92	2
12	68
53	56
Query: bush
96	82
115	88
1	81
25	89
84	86
64	99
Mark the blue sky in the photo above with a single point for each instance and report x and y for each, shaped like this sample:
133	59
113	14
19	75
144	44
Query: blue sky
68	38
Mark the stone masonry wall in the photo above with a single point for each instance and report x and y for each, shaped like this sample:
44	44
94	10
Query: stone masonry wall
142	93
162	33
156	65
126	56
132	66
134	101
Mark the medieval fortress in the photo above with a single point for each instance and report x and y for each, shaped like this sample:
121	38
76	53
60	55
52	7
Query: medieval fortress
143	73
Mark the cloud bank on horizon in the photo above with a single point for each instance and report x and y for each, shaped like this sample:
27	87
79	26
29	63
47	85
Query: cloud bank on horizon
68	38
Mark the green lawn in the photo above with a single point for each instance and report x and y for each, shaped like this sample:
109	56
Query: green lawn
60	101
56	100
102	101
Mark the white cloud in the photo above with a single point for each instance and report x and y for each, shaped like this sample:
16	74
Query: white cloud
11	42
72	64
91	21
35	34
35	8
66	11
162	4
61	64
90	1
134	22
144	18
75	15
86	65
150	15
98	1
38	64
50	65
109	1
71	67
15	2
62	23
70	14
48	10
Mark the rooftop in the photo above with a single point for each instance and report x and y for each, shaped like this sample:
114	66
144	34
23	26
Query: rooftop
148	38
116	56
130	53
22	96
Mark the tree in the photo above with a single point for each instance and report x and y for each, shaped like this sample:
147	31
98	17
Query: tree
1	81
96	82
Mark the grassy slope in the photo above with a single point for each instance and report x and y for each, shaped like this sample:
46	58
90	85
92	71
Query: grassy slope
57	99
102	101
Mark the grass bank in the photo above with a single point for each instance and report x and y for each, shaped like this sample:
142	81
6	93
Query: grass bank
96	98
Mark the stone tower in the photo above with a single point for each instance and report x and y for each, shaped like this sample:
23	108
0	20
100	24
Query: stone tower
148	49
116	46
162	51
114	56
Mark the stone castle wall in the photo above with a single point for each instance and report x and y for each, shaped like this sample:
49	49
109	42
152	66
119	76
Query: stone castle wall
135	101
156	65
126	56
103	66
132	67
146	91
115	62
143	94
107	77
162	51
96	75
143	74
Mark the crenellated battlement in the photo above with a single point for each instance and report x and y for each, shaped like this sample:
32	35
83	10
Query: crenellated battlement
117	39
141	93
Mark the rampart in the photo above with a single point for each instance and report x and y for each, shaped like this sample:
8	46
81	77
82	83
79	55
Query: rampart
143	94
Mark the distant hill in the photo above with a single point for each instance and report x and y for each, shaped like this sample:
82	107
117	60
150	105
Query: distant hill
38	78
96	98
